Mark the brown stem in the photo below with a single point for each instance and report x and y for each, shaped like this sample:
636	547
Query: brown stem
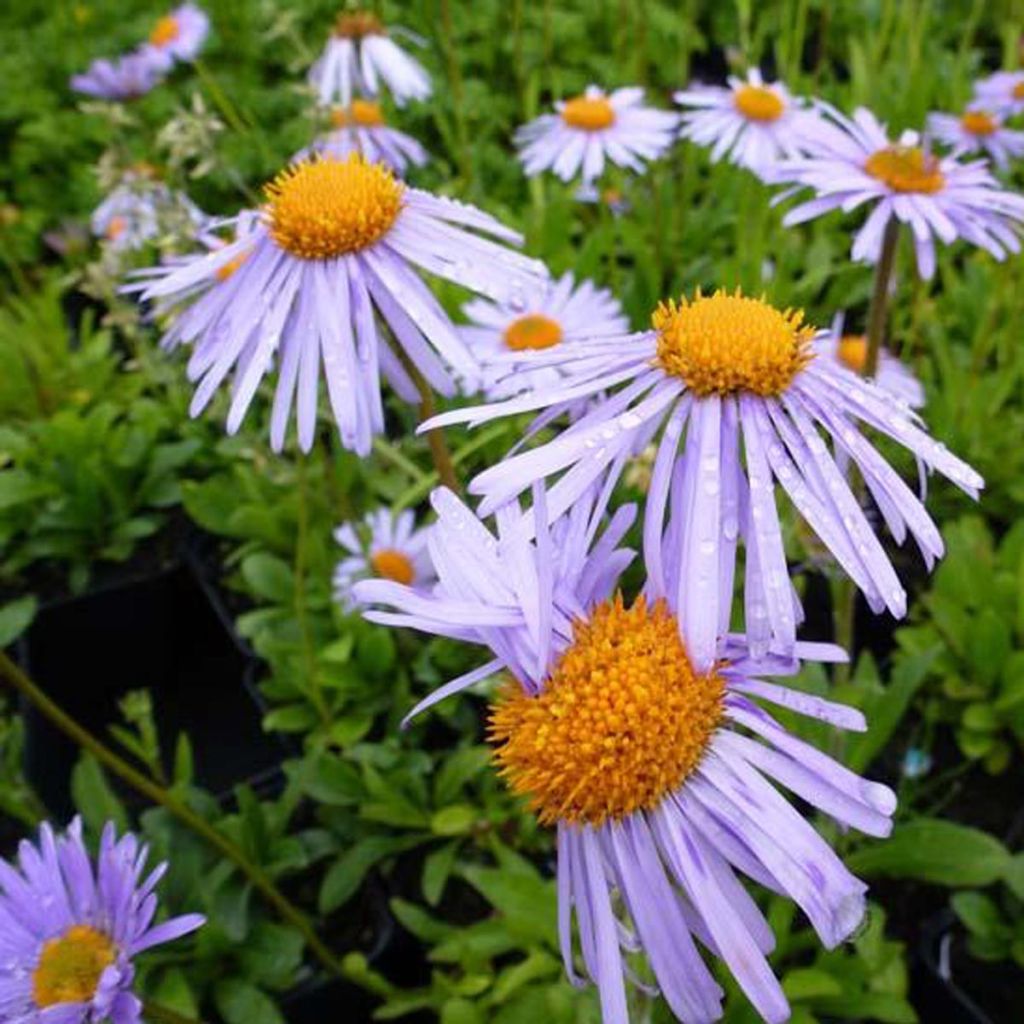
879	307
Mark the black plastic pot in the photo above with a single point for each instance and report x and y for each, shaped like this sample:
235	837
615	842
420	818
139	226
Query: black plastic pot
162	633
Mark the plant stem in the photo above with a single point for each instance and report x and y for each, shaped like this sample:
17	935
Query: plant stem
173	804
301	616
877	312
455	83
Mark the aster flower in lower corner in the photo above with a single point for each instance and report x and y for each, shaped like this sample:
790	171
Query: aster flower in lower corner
978	130
360	56
657	768
387	547
738	399
70	928
852	162
124	78
334	254
360	128
588	131
504	336
177	36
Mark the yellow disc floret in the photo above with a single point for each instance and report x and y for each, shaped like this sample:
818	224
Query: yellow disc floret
759	103
979	122
361	113
356	24
622	721
534	331
853	352
322	208
165	31
721	344
70	966
589	113
390	564
906	169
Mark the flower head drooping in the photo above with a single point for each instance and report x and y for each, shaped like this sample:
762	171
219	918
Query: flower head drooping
393	550
505	335
851	162
978	130
591	129
336	246
360	55
177	36
360	128
72	929
751	122
741	402
124	78
655	766
1002	92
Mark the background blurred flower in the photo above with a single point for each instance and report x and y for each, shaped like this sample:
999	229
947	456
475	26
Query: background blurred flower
124	78
1003	92
178	36
140	208
978	130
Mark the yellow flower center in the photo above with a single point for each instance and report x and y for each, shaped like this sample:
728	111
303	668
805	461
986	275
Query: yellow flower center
226	270
70	966
364	113
1018	91
853	352
759	103
356	24
589	113
906	169
978	122
622	721
115	228
723	343
165	31
322	208
534	331
393	565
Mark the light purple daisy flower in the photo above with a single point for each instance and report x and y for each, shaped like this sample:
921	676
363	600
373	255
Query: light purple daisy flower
125	78
505	335
851	162
392	549
336	247
360	56
752	122
978	130
741	401
178	36
1003	91
851	351
657	767
137	209
591	129
360	128
70	930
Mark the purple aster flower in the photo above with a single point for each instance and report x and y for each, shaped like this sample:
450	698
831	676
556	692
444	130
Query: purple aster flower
336	246
852	162
851	351
505	335
389	547
656	766
1003	91
741	401
978	130
178	36
751	122
70	930
360	55
588	130
360	128
125	78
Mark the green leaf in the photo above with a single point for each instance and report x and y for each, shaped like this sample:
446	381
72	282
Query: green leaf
1014	875
290	718
348	871
18	487
239	1002
15	617
933	850
94	797
269	577
977	912
878	1006
528	904
330	780
809	983
454	821
457	770
272	954
436	869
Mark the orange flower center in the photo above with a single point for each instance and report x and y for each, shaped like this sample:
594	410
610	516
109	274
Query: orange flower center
1018	91
534	331
356	24
588	113
322	208
165	31
115	228
622	721
721	344
364	113
759	103
853	352
71	966
978	122
390	564
906	169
